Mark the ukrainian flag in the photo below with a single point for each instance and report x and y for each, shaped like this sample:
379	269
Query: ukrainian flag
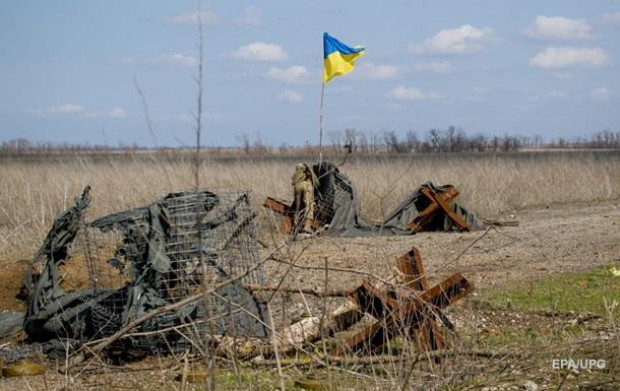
339	58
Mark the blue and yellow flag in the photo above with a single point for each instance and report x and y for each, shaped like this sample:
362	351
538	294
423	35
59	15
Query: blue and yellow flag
339	58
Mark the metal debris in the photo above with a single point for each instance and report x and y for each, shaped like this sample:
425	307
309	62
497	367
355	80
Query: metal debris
143	259
412	311
438	203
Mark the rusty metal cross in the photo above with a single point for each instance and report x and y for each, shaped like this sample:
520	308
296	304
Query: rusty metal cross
412	310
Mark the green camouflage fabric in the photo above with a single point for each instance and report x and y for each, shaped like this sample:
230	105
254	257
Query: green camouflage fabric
338	207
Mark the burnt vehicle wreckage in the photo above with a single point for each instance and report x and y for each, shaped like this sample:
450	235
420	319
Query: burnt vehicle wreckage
184	271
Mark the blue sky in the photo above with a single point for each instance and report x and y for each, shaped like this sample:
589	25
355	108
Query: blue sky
530	67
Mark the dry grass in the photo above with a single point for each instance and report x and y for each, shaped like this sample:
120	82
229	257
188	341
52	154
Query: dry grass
33	191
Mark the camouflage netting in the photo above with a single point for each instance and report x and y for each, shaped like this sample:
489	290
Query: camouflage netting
338	207
89	280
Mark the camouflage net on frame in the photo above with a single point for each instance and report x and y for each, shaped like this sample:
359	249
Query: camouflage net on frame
89	280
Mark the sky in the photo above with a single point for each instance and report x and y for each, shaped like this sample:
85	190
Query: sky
89	71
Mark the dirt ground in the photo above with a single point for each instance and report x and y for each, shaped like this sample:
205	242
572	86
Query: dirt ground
547	241
550	240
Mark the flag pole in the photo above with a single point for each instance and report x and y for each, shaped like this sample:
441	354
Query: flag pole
321	124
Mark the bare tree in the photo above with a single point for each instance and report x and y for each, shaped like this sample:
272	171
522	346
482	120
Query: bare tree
435	139
495	143
244	140
479	143
259	145
412	143
375	143
392	142
198	114
350	140
362	142
335	137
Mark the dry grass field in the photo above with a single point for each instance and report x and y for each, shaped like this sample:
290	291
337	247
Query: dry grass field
33	191
543	289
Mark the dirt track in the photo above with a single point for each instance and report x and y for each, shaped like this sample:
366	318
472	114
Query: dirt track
550	240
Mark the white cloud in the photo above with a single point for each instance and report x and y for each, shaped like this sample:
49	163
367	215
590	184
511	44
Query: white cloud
178	59
611	18
294	74
118	112
412	93
558	27
124	61
251	17
260	51
207	17
553	57
68	108
372	71
465	39
600	93
434	67
289	96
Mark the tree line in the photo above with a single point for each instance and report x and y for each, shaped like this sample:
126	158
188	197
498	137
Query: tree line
346	141
453	139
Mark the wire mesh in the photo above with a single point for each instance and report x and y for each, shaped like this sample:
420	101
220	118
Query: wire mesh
337	194
334	193
185	243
